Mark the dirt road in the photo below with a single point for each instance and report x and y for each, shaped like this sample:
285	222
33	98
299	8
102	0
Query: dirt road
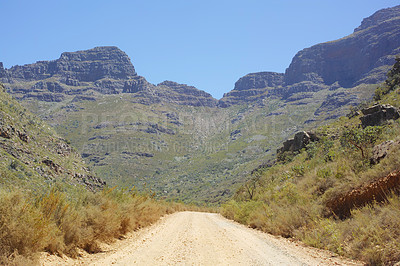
192	238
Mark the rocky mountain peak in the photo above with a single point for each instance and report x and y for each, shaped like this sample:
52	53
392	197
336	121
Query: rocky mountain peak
184	89
87	66
251	87
184	94
259	80
95	64
169	83
379	17
362	57
3	73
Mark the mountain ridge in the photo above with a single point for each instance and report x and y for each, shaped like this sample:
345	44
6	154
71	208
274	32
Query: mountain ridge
180	141
337	63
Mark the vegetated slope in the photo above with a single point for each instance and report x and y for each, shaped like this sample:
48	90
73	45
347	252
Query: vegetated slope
47	199
33	156
340	192
179	141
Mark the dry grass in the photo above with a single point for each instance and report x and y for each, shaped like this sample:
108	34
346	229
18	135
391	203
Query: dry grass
290	200
61	223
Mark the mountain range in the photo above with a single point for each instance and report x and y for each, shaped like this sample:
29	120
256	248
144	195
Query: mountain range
178	140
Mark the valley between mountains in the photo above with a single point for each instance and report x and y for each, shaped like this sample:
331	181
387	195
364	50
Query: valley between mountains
180	142
99	166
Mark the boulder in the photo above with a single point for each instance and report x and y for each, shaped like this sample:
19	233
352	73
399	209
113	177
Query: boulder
380	151
6	131
45	96
47	86
301	140
378	114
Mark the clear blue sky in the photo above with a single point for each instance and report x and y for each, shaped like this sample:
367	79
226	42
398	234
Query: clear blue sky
207	44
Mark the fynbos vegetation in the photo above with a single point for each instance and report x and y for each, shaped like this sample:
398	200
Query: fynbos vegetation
62	222
339	193
50	201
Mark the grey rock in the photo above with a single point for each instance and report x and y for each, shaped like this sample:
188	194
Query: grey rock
304	86
259	80
4	77
136	84
91	182
299	96
104	70
380	151
378	114
154	128
183	94
144	154
301	140
335	101
100	137
88	66
72	82
350	59
47	86
79	98
45	96
235	134
252	87
379	17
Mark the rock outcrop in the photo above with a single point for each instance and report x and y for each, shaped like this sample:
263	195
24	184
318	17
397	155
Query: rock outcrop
380	151
378	114
376	191
252	87
301	140
335	101
184	95
101	70
82	66
3	74
350	60
31	150
363	57
106	70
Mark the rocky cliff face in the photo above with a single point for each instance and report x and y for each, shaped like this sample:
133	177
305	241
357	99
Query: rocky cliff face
184	94
251	88
363	57
32	155
82	66
101	70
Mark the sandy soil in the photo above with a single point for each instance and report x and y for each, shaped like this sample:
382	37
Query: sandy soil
193	238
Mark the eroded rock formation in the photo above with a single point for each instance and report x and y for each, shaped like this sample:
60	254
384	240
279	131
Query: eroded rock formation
378	114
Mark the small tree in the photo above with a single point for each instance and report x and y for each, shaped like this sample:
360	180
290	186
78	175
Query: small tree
361	139
251	185
392	82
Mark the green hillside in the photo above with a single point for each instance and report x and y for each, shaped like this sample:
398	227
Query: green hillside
340	193
33	156
179	141
50	201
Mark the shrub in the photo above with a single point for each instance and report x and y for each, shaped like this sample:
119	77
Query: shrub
61	222
361	139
